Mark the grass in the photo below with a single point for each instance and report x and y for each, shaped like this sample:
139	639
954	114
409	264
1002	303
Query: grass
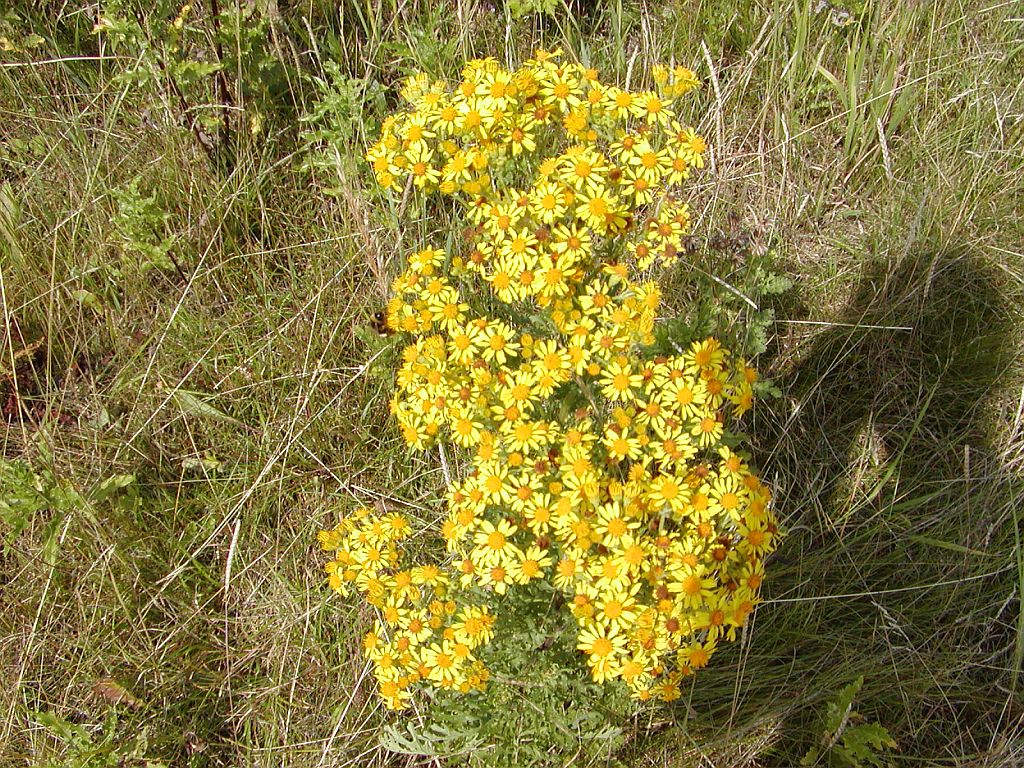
242	400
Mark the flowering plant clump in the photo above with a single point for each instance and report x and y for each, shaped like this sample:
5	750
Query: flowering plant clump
591	464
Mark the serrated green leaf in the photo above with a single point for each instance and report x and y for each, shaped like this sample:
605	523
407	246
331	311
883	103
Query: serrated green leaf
433	740
839	709
861	743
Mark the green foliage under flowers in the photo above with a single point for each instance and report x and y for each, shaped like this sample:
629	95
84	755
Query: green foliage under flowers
539	708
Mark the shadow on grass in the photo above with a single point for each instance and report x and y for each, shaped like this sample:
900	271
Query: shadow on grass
889	480
931	339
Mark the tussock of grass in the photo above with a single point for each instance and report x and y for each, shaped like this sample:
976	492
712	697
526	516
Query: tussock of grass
239	394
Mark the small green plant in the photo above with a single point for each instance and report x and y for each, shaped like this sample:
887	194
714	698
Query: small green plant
95	747
732	26
31	492
145	244
16	36
520	8
761	283
542	699
346	112
217	70
26	492
847	739
140	224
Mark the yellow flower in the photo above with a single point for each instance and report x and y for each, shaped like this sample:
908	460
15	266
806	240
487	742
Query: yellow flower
668	491
500	345
614	524
521	246
696	655
603	647
584	169
619	103
396	695
521	135
649	163
617	609
474	626
692	589
686	397
442	665
493	544
687	144
560	185
498	577
683	81
567	572
638	185
560	89
621	445
532	565
548	201
650	107
601	209
524	436
619	380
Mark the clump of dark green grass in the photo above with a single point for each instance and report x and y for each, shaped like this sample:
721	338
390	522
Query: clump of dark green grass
877	164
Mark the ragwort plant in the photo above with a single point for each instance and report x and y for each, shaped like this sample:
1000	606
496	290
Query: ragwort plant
592	468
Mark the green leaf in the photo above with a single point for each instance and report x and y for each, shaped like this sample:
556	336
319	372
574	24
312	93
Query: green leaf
861	742
21	496
433	740
111	486
88	299
74	735
192	405
189	72
839	709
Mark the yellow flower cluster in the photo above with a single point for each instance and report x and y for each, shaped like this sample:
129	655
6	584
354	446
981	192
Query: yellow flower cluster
589	464
422	634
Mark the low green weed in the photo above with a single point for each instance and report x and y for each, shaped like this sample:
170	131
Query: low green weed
103	747
848	740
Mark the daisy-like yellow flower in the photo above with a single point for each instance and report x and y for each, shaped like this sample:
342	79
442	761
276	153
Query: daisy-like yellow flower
493	543
548	202
617	609
651	108
600	209
561	89
650	163
619	380
603	647
584	169
688	144
423	173
500	344
441	664
620	103
532	565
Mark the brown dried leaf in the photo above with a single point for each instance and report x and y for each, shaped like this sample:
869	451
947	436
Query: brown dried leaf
113	692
